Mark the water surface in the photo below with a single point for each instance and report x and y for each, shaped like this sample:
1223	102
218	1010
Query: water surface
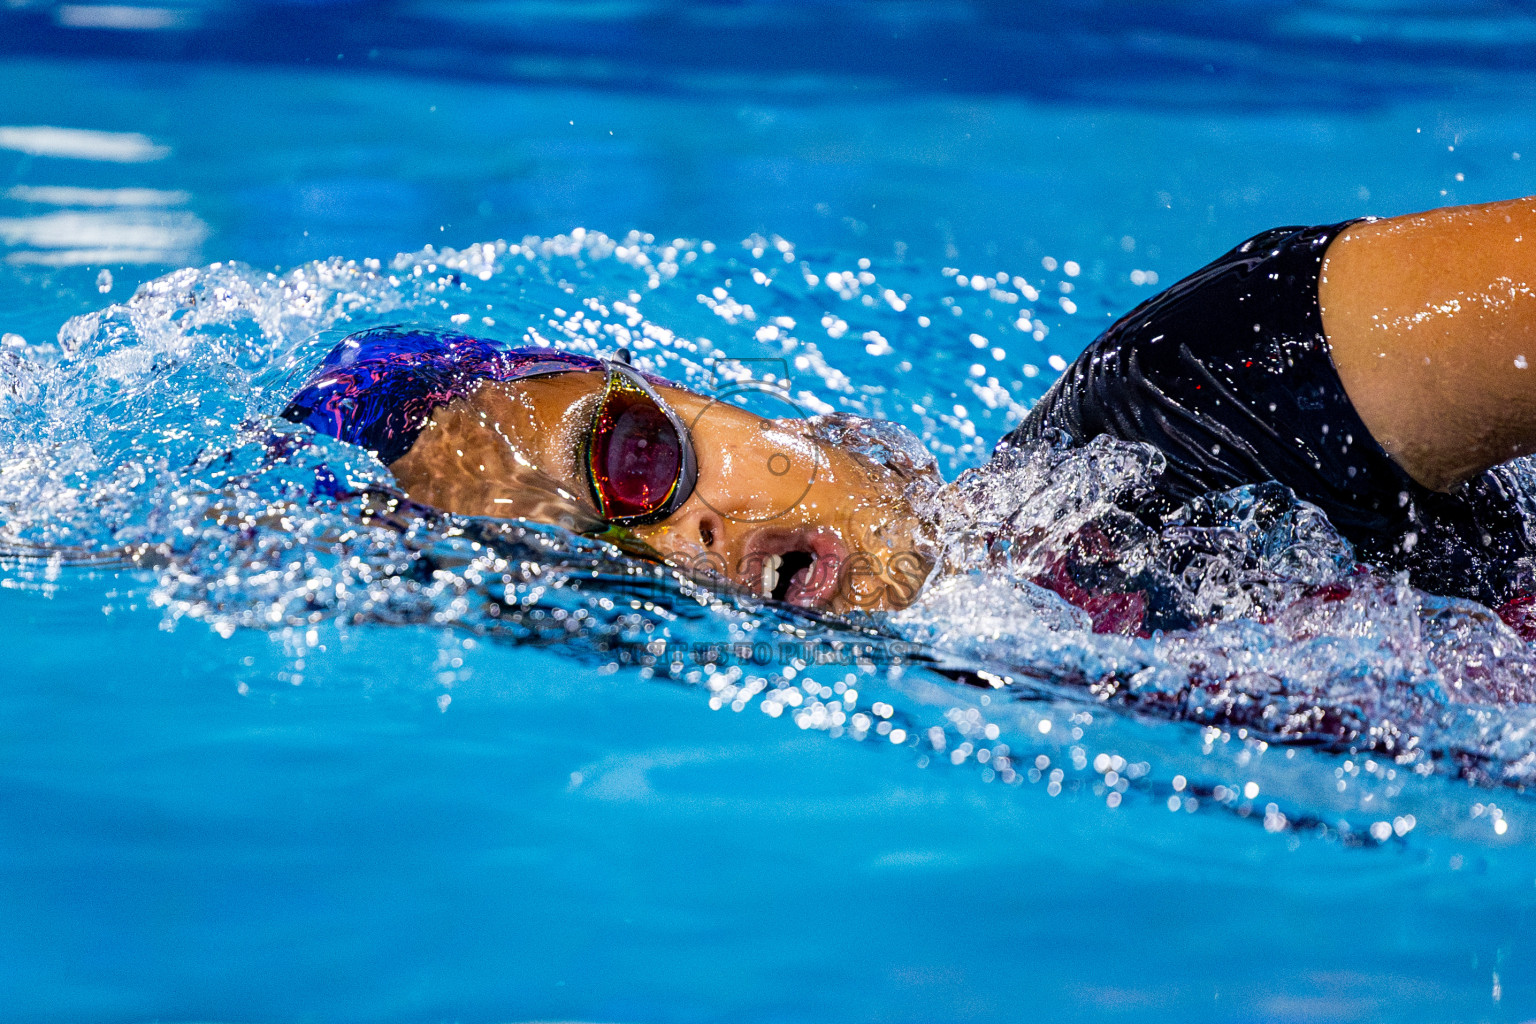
285	770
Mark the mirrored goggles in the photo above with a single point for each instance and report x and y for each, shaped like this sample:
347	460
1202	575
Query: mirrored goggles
638	455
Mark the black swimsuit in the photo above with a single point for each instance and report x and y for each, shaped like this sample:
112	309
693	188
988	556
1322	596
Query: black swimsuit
1228	374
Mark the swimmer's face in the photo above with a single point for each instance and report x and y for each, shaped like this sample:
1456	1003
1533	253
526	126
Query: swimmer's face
774	509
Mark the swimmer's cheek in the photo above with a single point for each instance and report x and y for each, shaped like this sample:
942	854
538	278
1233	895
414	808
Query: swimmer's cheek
859	583
906	572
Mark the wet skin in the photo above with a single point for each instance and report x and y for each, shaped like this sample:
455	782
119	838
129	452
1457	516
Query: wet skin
775	509
1431	323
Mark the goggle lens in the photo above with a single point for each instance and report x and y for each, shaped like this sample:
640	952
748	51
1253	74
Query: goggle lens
637	457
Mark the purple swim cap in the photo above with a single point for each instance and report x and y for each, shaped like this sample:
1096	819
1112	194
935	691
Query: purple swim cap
377	389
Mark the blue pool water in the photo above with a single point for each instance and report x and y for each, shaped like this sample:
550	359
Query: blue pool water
288	768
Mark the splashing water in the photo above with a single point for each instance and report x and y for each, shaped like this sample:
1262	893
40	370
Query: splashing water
1283	637
147	440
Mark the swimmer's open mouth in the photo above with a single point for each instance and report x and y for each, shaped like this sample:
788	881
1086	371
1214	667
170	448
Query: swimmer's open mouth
780	572
799	568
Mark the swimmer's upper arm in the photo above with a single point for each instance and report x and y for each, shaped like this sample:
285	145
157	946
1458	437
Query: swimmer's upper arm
1431	322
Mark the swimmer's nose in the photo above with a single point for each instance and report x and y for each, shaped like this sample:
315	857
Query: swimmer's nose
695	534
707	527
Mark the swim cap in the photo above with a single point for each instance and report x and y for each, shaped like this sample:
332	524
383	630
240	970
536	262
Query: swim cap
376	389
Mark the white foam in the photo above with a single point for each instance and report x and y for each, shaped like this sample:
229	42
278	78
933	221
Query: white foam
82	144
70	195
